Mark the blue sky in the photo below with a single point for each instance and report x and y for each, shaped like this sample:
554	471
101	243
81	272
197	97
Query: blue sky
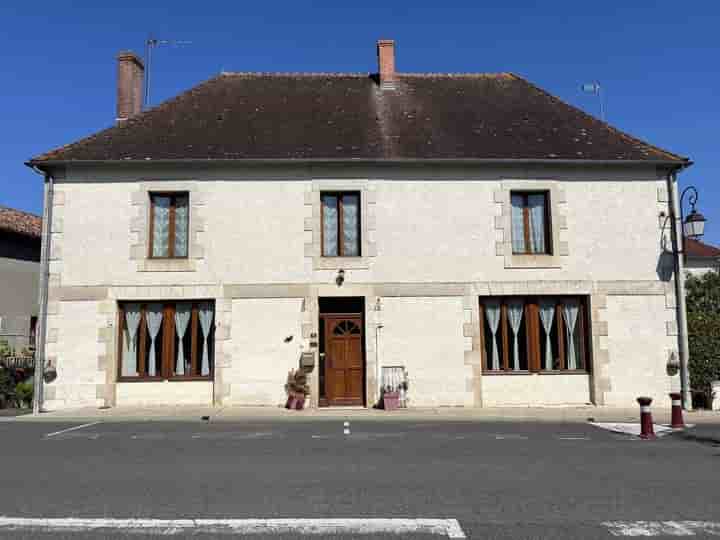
657	61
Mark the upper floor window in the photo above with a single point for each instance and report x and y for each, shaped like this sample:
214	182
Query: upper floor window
530	223
169	225
341	224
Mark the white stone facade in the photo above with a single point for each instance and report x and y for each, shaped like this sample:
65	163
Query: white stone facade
434	239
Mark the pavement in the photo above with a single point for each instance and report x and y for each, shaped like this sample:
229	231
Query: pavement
241	414
495	479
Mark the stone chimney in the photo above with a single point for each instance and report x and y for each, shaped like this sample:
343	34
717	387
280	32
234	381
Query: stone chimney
129	85
386	62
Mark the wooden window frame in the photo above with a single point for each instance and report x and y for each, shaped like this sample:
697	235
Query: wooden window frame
525	194
173	195
341	245
534	345
167	363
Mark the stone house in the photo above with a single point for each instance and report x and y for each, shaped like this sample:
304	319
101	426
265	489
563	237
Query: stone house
500	245
701	257
19	274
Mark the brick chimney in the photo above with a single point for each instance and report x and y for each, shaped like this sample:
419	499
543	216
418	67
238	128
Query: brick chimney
129	85
386	62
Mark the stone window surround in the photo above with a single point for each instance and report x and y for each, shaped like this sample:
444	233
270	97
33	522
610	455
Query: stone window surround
558	223
313	225
140	222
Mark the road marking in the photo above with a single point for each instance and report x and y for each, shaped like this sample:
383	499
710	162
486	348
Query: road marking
70	429
511	436
570	438
449	528
662	528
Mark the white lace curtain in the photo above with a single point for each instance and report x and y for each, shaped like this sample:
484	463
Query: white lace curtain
571	308
492	314
351	214
205	313
154	321
515	314
536	222
518	224
536	205
330	225
161	225
181	226
547	316
182	318
132	323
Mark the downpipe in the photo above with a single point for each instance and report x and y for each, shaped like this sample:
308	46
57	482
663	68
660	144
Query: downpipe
41	334
676	233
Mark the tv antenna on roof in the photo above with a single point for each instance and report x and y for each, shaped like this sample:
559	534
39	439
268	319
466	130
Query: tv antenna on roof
150	44
597	90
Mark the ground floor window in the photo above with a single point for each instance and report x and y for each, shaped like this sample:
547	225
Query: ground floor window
166	340
534	334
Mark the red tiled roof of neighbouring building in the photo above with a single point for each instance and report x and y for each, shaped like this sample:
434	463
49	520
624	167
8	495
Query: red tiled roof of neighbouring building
20	222
695	248
244	116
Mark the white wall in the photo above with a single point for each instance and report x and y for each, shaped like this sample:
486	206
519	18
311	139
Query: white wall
534	390
639	348
164	393
76	351
425	336
261	359
430	226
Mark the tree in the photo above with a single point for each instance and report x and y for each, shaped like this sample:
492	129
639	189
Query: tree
703	313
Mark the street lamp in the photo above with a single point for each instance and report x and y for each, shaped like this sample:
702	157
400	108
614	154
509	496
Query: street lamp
694	224
692	227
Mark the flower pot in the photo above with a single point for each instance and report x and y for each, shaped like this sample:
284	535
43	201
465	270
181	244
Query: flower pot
300	403
290	403
391	401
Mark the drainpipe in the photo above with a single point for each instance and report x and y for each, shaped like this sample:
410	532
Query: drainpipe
680	300
41	334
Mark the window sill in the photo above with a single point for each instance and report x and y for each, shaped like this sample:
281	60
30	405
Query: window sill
346	263
525	372
167	265
207	378
532	261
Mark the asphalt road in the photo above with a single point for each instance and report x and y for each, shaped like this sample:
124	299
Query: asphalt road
498	480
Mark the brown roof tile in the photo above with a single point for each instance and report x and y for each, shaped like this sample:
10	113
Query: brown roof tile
347	116
20	222
695	248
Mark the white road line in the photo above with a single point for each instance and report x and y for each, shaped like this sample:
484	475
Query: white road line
511	436
574	438
662	528
449	528
70	429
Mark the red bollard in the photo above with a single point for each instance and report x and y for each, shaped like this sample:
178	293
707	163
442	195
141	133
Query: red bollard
646	422
676	421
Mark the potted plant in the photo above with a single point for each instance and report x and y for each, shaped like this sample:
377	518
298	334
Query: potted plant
297	389
391	398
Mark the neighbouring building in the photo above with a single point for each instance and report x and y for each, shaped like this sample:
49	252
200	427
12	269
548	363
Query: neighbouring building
700	257
19	274
502	246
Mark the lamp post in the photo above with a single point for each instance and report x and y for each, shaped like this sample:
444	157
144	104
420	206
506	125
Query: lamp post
693	227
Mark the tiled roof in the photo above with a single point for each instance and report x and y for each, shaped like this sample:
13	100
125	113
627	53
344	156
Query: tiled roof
695	248
20	222
237	116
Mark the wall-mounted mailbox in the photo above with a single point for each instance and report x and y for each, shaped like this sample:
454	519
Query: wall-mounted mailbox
307	361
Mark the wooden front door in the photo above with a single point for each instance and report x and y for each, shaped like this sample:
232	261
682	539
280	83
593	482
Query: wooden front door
344	369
